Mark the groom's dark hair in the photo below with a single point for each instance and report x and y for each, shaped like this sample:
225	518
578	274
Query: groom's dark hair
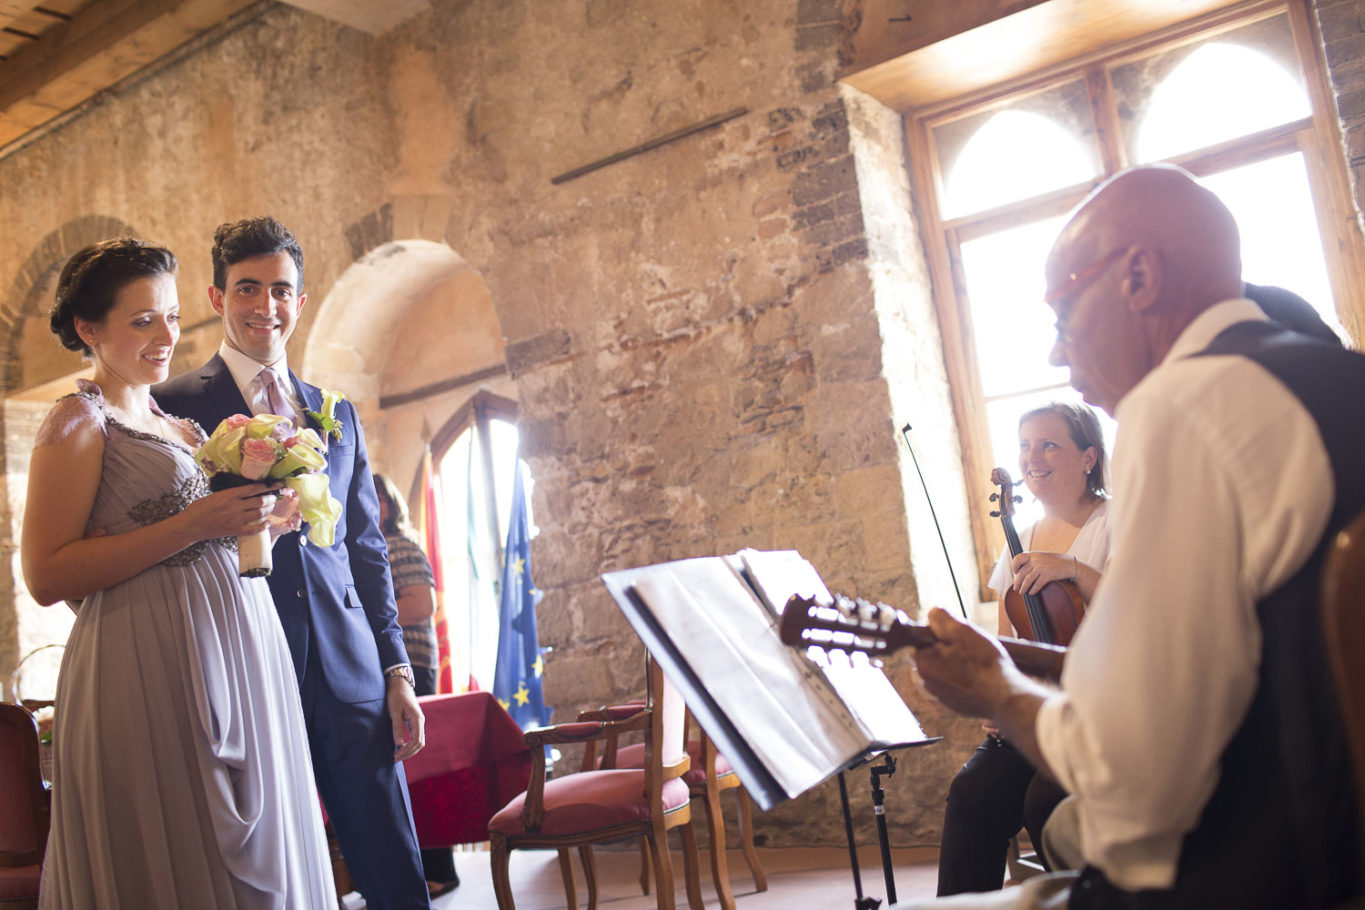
249	238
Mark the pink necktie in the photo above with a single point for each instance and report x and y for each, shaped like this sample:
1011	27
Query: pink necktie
274	395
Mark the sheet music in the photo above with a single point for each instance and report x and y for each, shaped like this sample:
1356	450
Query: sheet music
777	576
799	719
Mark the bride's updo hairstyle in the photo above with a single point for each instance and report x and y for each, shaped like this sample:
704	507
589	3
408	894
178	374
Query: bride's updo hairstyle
93	277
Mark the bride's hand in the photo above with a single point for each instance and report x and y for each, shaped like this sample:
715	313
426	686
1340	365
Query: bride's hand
231	513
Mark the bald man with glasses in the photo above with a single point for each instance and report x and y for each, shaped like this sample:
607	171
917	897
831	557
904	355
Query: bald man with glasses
1195	725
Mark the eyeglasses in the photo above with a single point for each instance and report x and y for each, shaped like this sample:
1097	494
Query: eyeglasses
1077	283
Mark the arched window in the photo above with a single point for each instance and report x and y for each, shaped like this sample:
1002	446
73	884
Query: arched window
1015	154
1004	168
1219	92
474	456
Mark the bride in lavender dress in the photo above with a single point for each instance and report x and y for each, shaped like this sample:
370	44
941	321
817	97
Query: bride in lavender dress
181	767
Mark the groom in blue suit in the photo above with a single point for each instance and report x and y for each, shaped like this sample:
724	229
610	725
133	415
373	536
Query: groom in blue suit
336	603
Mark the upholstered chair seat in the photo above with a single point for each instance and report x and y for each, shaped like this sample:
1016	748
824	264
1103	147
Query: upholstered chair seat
596	802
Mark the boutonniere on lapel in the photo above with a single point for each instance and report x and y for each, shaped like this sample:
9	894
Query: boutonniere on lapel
325	421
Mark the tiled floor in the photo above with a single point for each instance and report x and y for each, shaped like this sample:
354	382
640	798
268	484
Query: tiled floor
798	877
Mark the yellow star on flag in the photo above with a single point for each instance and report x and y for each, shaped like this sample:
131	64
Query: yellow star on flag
523	695
539	665
519	566
506	705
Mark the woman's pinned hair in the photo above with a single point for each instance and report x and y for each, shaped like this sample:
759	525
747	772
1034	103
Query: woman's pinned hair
92	278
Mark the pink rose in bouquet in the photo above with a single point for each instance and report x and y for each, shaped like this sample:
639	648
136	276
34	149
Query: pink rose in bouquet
259	456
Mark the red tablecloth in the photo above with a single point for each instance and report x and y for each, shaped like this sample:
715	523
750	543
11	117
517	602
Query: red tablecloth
474	763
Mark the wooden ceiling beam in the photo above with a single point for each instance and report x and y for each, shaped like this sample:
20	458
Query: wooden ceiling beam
101	44
10	10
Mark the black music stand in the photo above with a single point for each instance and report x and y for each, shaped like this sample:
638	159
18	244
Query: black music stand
784	722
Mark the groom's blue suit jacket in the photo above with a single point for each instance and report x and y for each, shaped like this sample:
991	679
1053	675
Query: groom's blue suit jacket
337	599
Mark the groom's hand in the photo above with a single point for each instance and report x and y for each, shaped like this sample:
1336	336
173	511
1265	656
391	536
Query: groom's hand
409	726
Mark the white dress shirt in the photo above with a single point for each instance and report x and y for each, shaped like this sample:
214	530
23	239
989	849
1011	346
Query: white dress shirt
1222	488
244	371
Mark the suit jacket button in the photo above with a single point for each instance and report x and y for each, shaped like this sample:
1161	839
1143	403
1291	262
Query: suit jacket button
303	540
300	594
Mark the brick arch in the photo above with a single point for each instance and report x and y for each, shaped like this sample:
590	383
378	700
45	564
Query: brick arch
47	257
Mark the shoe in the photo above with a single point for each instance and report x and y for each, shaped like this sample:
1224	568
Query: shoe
436	889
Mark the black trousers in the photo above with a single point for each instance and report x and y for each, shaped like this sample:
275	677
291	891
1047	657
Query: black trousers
995	794
438	863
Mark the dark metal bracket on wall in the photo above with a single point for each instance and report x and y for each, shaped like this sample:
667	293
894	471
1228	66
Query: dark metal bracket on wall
650	144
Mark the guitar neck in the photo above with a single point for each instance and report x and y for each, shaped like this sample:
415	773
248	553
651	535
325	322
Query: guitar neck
1033	658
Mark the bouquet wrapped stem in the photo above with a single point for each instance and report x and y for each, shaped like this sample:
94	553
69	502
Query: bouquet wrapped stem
264	449
253	554
253	550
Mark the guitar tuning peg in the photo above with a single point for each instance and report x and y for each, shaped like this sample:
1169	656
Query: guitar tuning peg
1018	499
886	616
994	497
994	514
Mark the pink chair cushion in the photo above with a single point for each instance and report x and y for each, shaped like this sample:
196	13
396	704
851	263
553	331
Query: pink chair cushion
633	756
590	801
19	883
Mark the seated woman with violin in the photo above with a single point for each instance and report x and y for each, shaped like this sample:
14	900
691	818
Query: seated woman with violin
1047	574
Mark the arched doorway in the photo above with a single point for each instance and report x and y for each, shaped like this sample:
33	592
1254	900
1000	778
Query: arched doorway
410	334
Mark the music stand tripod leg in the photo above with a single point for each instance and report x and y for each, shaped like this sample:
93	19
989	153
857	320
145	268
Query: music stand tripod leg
879	808
859	902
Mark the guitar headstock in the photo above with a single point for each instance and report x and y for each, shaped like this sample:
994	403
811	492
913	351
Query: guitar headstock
846	625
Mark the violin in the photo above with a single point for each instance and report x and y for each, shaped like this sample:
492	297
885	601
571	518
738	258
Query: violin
1051	615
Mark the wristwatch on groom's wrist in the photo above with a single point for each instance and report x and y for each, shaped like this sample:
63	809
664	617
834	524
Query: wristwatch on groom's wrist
404	671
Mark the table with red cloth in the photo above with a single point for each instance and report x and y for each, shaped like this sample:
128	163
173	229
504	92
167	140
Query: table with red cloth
474	763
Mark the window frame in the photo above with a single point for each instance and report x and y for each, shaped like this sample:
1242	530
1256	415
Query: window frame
1318	137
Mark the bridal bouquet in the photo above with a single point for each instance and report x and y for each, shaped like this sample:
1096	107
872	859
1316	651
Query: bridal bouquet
265	448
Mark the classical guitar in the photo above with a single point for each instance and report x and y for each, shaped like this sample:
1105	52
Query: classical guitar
877	629
1051	615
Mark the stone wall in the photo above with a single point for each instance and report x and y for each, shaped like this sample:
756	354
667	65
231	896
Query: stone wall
1342	26
692	332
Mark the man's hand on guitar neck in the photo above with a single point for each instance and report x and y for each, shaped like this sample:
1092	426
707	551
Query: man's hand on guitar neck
971	674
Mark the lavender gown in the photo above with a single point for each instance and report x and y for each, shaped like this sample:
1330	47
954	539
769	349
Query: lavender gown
181	770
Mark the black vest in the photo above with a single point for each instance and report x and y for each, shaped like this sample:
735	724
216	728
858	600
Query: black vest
1280	830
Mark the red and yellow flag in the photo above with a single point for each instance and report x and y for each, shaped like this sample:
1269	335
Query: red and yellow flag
431	541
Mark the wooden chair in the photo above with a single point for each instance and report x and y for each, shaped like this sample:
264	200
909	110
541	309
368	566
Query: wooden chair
709	776
25	809
1022	862
606	805
1343	629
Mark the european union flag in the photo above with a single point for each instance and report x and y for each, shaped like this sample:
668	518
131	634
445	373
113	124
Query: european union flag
516	678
